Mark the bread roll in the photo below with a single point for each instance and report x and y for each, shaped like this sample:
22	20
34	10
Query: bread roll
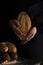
14	56
12	48
6	56
3	48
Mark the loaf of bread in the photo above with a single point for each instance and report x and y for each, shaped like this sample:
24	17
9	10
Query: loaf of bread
24	21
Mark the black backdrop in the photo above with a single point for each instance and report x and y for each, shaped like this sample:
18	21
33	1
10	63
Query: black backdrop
10	10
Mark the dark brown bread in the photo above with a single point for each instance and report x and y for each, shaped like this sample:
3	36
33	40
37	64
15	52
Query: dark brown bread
6	56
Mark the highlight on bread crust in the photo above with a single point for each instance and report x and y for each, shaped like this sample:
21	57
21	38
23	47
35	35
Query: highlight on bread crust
12	48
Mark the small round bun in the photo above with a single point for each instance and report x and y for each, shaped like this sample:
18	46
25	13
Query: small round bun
14	56
12	48
6	56
3	47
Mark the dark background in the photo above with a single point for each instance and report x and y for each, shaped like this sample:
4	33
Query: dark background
9	10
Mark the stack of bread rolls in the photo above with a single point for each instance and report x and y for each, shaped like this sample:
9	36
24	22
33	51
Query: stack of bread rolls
8	51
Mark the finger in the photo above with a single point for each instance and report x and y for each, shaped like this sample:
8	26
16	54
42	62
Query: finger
17	23
30	35
14	22
17	31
